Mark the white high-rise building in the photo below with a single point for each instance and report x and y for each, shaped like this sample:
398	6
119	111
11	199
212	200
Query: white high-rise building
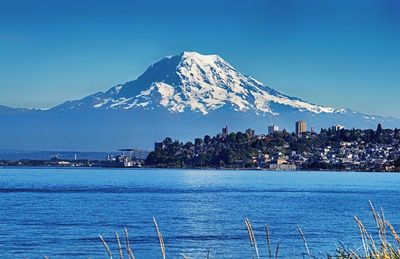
337	127
272	129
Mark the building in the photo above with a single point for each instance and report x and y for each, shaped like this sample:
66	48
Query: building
337	127
301	127
250	133
158	146
273	128
282	165
225	131
126	159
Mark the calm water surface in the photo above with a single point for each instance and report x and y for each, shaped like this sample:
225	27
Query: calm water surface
60	212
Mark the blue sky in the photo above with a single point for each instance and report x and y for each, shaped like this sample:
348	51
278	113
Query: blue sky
335	53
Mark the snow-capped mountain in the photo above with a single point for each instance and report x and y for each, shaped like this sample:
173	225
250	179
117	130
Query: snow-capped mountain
193	82
183	97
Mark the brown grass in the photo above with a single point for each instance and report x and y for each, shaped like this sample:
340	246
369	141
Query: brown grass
372	248
160	238
379	248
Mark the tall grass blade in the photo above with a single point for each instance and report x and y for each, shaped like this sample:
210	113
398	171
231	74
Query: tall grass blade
304	240
268	241
119	245
128	245
106	247
160	238
277	251
253	242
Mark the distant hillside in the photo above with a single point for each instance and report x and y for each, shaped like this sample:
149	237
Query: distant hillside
15	155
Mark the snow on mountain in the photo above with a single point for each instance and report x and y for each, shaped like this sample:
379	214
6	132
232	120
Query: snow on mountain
193	82
183	97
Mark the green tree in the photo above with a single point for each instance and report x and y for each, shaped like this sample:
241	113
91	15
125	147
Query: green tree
198	141
379	138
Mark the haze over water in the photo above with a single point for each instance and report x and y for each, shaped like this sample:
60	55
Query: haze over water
60	212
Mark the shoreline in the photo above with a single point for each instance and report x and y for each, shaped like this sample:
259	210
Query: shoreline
198	169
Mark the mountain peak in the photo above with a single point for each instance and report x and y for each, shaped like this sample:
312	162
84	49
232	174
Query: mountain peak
194	82
202	58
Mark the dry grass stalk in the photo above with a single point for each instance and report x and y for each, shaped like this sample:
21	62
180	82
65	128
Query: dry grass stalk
253	242
380	224
394	234
268	241
128	245
362	234
277	251
106	247
372	249
384	250
160	238
119	245
304	240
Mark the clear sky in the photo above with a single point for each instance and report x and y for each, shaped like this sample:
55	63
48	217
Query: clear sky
335	53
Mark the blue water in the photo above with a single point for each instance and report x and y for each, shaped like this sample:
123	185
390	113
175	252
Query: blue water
60	212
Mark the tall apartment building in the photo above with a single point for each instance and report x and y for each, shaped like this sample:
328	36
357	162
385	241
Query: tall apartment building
272	129
301	127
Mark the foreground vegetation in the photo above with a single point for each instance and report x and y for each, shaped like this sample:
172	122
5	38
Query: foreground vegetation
372	247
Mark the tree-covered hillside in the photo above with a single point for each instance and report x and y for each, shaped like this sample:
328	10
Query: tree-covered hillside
330	149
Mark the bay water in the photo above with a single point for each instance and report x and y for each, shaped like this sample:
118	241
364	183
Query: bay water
59	212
